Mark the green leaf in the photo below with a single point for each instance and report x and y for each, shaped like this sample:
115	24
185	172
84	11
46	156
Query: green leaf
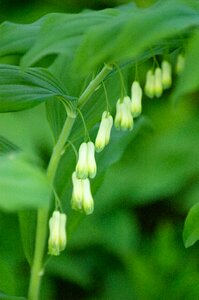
22	89
6	146
62	33
130	33
27	222
189	80
18	38
22	185
8	297
191	227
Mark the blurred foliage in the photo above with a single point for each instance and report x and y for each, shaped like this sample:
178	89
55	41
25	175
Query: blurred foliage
131	247
29	10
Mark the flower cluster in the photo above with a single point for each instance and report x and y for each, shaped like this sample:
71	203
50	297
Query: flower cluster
158	80
127	109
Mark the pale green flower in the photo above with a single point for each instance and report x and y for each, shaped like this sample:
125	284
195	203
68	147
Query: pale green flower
123	118
150	84
57	238
103	135
136	99
166	75
86	165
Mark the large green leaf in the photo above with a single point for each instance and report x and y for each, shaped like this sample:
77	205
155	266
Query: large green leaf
18	38
22	89
128	34
22	185
62	33
191	227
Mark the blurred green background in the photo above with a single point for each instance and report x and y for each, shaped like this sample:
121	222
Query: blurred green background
131	247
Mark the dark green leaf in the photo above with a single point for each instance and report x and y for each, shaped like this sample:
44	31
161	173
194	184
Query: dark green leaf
18	38
62	33
130	33
6	146
22	185
191	227
22	89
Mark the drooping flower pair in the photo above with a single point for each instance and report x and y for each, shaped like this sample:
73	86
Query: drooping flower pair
127	109
86	167
82	199
158	80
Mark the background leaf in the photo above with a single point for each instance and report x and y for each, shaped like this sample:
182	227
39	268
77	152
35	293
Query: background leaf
22	184
191	227
188	81
132	32
62	33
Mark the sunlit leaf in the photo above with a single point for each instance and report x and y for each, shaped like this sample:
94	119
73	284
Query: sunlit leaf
191	227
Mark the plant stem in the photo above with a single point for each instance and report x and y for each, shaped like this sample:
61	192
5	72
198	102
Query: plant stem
94	84
42	217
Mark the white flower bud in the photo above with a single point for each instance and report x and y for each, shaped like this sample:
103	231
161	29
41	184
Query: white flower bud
82	199
57	239
123	118
166	75
88	203
158	82
82	165
91	164
150	84
180	63
136	99
103	135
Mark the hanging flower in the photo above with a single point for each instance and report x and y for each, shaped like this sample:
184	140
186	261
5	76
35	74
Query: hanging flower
86	165
166	75
136	99
180	63
82	199
150	84
123	118
57	239
103	135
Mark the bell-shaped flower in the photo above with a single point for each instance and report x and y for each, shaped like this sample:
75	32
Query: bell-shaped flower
57	239
88	203
166	75
91	164
86	165
82	199
158	89
103	135
180	63
82	164
150	84
136	99
123	118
